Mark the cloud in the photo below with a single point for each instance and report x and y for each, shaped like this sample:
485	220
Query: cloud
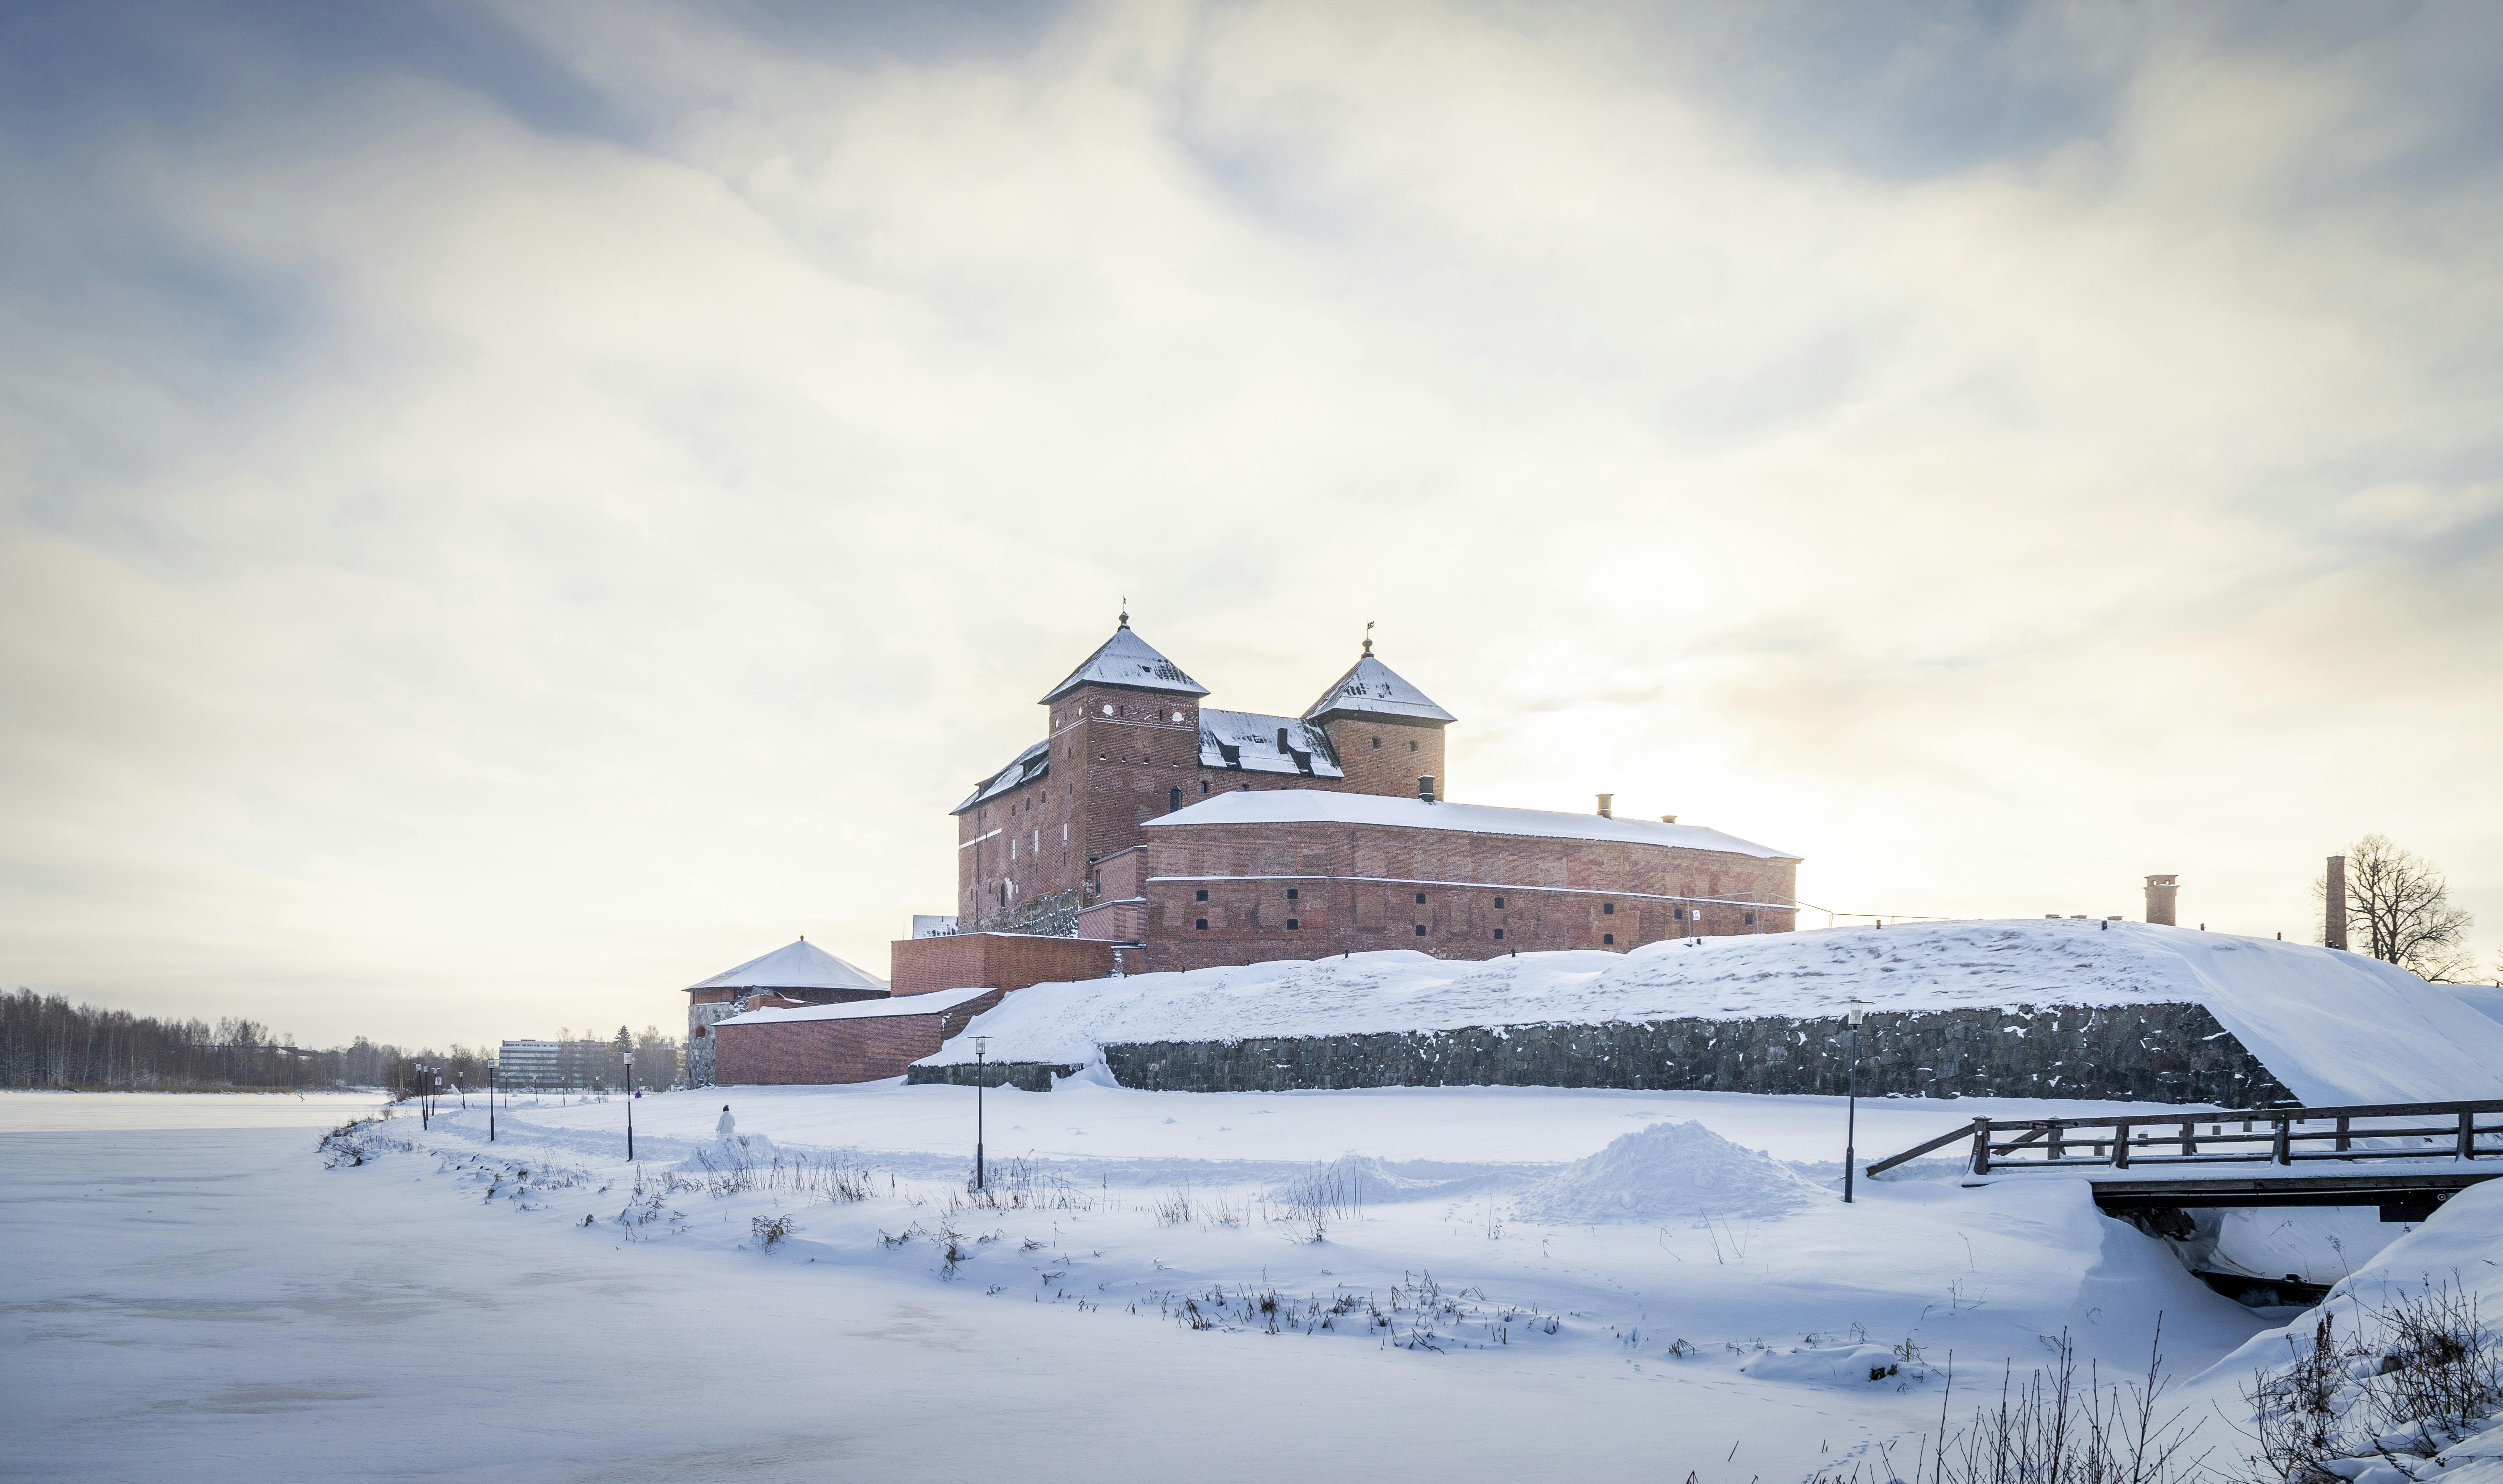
512	511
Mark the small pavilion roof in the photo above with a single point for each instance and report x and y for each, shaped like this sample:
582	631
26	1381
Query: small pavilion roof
795	965
1374	689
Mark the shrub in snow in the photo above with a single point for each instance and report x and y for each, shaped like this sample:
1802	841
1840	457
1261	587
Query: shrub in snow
1673	1170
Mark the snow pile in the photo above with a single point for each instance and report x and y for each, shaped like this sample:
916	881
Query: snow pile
1673	1170
2334	1027
1849	1365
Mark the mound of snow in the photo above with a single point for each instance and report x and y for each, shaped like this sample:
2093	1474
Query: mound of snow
1673	1170
1832	1366
2335	1027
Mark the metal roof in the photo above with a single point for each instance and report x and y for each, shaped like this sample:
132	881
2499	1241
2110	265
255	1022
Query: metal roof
1372	688
796	965
1127	660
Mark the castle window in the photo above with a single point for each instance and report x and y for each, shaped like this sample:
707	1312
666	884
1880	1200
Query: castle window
1203	925
1173	798
1107	708
1203	896
1498	901
1608	909
1203	787
703	1031
1607	937
1421	929
1376	742
1420	899
1103	757
1751	919
1412	747
1177	716
1294	893
1294	924
1679	913
1499	933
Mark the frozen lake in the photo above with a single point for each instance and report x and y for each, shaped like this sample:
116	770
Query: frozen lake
191	1294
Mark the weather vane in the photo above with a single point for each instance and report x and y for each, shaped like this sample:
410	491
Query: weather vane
1368	636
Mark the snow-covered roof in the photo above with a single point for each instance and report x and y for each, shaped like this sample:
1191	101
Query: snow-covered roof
1031	764
1249	740
797	965
1315	806
929	1004
2335	1027
1374	689
1125	659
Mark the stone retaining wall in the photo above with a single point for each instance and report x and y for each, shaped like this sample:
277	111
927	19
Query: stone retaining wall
1026	1075
2135	1052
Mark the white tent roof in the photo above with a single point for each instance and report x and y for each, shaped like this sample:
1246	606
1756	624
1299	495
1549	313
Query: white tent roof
1315	806
1125	659
935	1002
796	965
1374	689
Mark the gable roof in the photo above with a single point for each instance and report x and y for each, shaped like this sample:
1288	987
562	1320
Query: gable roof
1127	660
935	1002
1372	688
1316	806
797	965
1031	764
1249	740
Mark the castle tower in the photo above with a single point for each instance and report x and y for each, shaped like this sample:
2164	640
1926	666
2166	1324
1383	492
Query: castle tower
2162	892
1386	733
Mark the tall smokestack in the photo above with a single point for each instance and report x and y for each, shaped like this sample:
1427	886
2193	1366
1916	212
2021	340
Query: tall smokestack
1607	806
2161	893
2335	929
1426	786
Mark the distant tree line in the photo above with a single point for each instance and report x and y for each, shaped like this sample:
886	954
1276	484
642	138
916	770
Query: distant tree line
47	1041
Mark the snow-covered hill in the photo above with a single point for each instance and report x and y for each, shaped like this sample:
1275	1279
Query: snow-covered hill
2334	1027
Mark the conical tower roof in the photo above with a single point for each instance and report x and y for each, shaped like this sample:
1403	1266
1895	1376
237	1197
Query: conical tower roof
1127	660
1374	689
797	965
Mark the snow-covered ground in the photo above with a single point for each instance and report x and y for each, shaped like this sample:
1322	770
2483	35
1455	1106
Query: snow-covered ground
2335	1027
213	1302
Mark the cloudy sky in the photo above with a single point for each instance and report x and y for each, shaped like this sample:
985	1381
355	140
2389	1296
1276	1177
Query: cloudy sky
508	510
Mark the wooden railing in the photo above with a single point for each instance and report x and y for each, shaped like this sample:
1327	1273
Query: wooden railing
2279	1136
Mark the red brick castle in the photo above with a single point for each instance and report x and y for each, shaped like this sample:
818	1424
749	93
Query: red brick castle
1198	836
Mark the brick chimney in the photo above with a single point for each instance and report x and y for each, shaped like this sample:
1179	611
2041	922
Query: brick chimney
2161	894
1607	806
1426	786
2334	930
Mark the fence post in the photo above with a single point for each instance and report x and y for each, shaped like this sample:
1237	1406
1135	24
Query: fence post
2121	1144
2467	1134
2345	1143
1981	1146
2284	1151
2059	1148
2189	1137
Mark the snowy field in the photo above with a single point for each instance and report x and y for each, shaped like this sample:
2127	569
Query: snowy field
1503	1285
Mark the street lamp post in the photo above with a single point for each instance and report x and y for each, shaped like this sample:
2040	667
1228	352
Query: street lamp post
491	1102
629	1107
1852	1012
423	1109
981	1045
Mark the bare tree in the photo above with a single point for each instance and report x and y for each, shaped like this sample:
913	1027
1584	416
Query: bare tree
2398	910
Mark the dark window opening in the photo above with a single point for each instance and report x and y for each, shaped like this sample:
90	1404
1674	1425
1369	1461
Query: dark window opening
1294	924
1498	932
1376	742
1202	897
1608	909
1751	919
1421	929
1499	901
1420	898
1202	786
703	1031
1203	922
1679	913
1294	893
1412	747
1607	937
1173	798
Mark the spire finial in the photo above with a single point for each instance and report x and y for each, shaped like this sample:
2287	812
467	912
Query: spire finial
1125	610
1368	638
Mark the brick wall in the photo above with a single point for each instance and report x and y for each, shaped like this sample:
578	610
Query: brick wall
1384	756
869	1049
1357	887
994	961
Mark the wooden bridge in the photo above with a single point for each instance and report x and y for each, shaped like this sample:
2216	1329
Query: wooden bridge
2404	1157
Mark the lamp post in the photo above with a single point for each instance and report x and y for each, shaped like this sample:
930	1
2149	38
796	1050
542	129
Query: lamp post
981	1045
422	1109
1853	1011
629	1107
491	1102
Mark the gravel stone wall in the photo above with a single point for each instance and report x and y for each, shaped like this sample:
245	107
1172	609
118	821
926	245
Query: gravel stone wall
1026	1075
2136	1053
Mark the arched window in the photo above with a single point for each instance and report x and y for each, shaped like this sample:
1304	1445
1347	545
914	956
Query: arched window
1173	798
